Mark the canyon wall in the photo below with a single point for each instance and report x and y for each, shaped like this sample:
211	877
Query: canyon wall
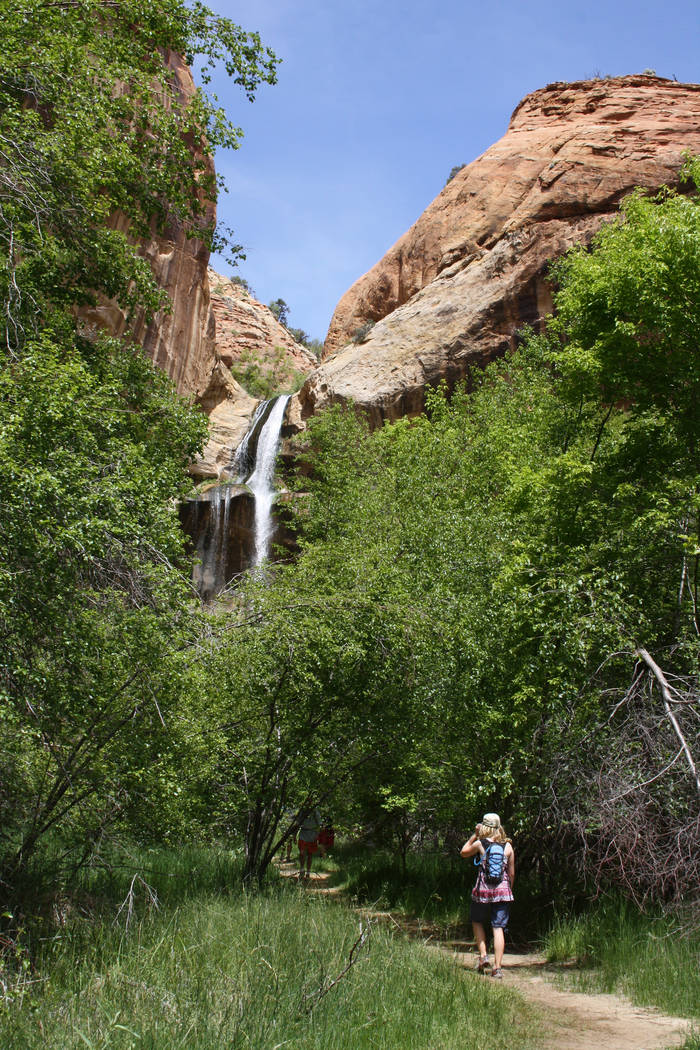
456	288
181	341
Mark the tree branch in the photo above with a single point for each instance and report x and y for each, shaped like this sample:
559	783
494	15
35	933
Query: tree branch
365	930
668	700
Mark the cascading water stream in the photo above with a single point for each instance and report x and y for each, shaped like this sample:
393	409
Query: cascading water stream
243	461
262	481
231	524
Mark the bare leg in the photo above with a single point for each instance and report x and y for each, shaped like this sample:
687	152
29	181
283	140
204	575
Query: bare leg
480	938
499	946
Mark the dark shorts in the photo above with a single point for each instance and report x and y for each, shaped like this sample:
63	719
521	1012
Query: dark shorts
496	913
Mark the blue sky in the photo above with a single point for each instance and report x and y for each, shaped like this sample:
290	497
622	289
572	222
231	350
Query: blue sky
379	99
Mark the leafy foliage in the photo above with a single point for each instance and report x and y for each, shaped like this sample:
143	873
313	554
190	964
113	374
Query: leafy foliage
97	149
90	606
499	567
92	122
478	590
268	374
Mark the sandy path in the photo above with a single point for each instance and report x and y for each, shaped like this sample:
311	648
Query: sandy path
582	1021
575	1020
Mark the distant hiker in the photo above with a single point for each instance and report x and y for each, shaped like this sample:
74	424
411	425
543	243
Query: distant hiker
493	890
308	840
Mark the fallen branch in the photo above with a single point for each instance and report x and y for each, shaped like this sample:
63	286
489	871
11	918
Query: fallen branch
645	783
365	930
668	700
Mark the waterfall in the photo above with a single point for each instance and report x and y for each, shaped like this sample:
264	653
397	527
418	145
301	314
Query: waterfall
243	461
230	525
211	574
262	480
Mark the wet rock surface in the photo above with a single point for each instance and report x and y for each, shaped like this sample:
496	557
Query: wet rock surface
220	526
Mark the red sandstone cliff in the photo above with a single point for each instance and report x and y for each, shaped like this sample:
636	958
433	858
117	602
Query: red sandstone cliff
180	341
211	327
454	290
249	336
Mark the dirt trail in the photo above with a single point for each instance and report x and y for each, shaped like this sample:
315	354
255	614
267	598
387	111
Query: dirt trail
582	1021
575	1020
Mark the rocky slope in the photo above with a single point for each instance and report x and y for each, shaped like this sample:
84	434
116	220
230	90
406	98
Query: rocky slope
455	289
255	356
250	339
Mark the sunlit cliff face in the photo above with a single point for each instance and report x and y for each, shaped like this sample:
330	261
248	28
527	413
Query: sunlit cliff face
454	291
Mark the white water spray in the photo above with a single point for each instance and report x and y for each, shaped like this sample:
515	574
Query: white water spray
262	481
241	465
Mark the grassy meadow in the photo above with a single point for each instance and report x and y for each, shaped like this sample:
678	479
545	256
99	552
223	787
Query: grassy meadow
182	957
163	949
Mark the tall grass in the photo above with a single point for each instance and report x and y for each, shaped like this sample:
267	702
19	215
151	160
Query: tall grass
650	958
653	960
212	967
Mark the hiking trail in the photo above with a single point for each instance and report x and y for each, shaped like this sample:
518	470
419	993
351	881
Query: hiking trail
574	1020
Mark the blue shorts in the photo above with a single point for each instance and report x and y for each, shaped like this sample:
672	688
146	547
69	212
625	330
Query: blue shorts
496	913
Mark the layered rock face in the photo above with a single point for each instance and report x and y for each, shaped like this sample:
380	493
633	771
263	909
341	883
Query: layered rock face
456	288
180	342
252	349
230	410
249	336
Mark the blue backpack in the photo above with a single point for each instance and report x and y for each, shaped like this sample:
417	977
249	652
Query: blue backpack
492	863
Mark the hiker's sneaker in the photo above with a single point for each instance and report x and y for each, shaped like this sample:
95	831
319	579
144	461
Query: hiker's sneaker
483	965
497	973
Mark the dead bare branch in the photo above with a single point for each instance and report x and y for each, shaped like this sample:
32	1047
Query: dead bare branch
127	904
618	798
668	700
326	986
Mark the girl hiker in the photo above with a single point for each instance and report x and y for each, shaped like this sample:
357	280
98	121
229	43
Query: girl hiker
493	890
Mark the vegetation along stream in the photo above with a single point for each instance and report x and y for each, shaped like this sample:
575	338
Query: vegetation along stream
488	599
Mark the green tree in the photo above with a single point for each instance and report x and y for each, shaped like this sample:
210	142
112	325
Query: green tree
280	310
524	546
242	283
624	345
92	611
95	607
91	123
299	335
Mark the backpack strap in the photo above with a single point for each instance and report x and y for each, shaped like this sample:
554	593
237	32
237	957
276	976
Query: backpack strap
480	857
